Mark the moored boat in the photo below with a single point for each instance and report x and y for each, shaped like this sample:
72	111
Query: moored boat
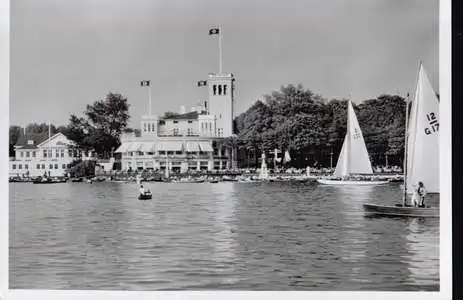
351	182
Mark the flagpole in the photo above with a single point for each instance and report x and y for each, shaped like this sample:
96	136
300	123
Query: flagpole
149	98
220	50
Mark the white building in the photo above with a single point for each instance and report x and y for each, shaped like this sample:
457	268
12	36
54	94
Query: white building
39	155
190	141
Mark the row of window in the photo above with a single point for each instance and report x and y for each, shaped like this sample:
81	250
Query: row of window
219	89
176	122
206	126
149	127
49	153
139	153
40	166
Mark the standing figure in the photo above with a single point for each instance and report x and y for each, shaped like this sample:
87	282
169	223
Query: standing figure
421	192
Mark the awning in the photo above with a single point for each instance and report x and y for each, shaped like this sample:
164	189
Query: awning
147	147
134	147
192	147
169	146
205	147
123	148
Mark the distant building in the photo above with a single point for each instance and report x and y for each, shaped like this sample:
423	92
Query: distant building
36	155
190	141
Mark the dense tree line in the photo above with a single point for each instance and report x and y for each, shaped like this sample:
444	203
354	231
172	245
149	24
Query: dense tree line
311	128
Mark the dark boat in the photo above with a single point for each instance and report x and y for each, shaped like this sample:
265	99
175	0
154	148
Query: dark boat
146	196
80	179
401	211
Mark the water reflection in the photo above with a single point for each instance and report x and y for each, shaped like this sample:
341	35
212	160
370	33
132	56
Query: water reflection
423	249
224	236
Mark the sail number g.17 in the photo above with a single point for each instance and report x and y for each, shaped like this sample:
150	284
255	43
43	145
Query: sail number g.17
433	124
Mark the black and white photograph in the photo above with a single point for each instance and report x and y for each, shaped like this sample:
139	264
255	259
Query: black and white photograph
207	145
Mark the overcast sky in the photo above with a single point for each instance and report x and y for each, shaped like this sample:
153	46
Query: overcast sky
67	54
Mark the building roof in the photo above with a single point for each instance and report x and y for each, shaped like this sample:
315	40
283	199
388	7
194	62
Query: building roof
187	116
36	137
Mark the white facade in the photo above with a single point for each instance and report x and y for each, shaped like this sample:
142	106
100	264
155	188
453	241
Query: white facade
190	141
221	89
51	157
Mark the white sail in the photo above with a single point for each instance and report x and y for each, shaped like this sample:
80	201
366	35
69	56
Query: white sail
263	168
354	157
423	137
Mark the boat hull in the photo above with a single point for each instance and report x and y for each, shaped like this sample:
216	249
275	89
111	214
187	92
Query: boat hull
400	211
145	197
351	182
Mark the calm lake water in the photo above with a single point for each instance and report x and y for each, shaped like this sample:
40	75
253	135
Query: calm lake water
224	236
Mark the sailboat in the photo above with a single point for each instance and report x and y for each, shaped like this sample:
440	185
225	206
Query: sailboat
421	152
354	156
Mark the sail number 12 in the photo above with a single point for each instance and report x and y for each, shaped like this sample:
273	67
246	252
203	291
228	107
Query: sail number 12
433	124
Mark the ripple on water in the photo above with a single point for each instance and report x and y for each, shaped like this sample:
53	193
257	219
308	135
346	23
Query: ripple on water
229	236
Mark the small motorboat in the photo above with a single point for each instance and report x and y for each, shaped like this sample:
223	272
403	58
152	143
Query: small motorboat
145	196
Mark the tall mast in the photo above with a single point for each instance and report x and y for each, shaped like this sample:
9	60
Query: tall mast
406	150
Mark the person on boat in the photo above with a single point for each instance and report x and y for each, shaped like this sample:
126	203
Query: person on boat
421	192
142	190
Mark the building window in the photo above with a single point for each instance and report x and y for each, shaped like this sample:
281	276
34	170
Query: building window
69	152
162	122
220	89
175	122
144	127
170	152
20	166
38	167
62	152
14	166
189	121
178	152
190	131
176	131
64	166
51	166
49	153
162	152
43	166
21	153
44	153
152	127
225	89
69	165
27	154
214	89
57	152
33	153
131	153
56	166
140	153
26	166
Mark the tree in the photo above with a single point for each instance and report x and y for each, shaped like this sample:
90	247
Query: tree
101	126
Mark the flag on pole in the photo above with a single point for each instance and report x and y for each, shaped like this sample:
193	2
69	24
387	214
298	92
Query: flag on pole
287	157
202	83
145	83
213	31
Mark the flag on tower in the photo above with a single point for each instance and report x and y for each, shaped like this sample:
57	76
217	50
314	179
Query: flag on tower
202	83
145	83
213	31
